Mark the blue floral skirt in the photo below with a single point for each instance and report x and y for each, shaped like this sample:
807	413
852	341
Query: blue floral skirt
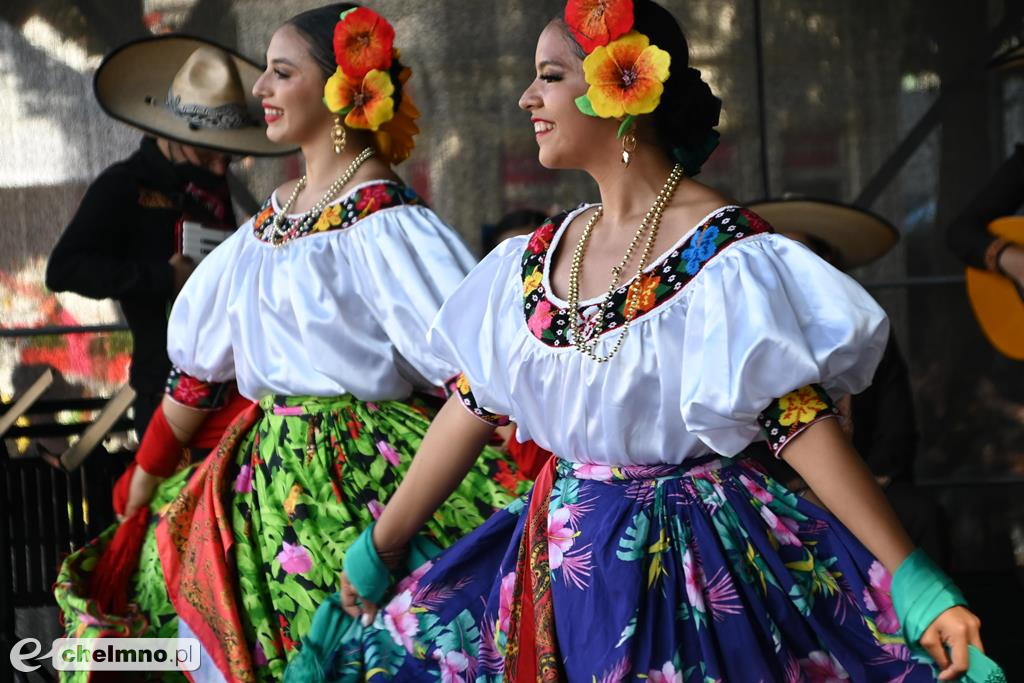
710	571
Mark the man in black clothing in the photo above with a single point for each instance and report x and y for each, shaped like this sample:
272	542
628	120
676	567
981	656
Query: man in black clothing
123	244
968	236
193	100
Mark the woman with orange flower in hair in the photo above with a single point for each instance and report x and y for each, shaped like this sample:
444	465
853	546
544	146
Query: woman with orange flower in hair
317	308
647	341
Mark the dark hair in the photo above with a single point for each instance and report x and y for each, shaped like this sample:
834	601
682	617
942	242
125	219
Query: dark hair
317	27
685	119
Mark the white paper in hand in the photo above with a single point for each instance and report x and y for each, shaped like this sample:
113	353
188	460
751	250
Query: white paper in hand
197	241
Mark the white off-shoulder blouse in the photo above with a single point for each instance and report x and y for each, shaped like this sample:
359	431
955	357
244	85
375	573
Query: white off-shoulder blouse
742	334
342	309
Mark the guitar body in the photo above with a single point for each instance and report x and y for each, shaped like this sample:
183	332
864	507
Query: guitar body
996	302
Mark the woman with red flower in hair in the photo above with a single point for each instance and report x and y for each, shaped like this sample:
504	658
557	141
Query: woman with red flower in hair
317	309
647	342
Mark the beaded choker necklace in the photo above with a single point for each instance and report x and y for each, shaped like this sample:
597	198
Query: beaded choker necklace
279	229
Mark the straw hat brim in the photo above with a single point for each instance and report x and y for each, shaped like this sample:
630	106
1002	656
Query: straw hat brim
1008	60
858	236
131	85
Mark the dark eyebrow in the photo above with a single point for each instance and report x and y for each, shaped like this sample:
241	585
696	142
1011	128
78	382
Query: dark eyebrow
550	62
282	60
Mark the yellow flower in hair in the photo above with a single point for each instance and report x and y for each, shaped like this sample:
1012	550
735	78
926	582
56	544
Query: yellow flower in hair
626	76
366	103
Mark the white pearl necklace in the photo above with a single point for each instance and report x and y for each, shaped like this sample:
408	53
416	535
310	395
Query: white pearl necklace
279	229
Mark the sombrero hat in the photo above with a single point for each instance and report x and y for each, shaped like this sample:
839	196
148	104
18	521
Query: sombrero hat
186	89
1011	58
858	236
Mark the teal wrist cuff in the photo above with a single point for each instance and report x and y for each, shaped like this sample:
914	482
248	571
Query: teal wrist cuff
921	591
364	568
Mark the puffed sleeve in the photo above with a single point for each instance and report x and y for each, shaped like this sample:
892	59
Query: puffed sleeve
405	263
474	326
772	328
198	330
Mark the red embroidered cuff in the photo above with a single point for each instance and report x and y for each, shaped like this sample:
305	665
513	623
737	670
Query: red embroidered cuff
195	393
786	417
460	385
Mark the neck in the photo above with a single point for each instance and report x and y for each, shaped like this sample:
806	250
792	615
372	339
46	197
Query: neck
323	166
629	191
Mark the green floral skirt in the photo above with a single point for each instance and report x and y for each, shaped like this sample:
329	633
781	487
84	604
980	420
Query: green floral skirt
300	485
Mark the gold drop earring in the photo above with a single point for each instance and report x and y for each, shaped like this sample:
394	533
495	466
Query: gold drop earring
628	146
338	135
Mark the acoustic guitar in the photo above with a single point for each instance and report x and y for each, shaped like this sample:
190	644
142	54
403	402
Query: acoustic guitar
998	304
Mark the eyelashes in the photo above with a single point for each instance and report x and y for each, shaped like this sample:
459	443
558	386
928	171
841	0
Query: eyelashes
550	78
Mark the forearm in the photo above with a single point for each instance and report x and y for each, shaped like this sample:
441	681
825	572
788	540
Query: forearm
449	449
833	470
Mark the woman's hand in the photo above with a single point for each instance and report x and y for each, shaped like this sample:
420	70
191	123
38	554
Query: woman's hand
955	629
354	604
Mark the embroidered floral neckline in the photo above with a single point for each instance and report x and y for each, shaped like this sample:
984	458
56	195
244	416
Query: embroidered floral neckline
362	201
547	315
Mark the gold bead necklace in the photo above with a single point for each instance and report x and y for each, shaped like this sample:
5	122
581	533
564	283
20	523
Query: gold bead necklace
649	225
279	228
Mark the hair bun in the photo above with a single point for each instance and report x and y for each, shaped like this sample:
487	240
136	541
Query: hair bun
686	119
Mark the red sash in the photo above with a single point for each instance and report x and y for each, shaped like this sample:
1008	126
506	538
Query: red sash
532	651
195	539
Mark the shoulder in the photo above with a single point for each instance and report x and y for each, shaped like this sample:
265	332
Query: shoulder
727	234
123	176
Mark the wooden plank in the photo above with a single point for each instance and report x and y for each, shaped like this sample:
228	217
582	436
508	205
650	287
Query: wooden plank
30	396
111	413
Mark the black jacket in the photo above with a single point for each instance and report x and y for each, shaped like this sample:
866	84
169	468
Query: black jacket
119	242
1003	195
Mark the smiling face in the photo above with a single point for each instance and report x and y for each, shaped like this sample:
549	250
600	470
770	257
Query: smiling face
567	138
292	90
